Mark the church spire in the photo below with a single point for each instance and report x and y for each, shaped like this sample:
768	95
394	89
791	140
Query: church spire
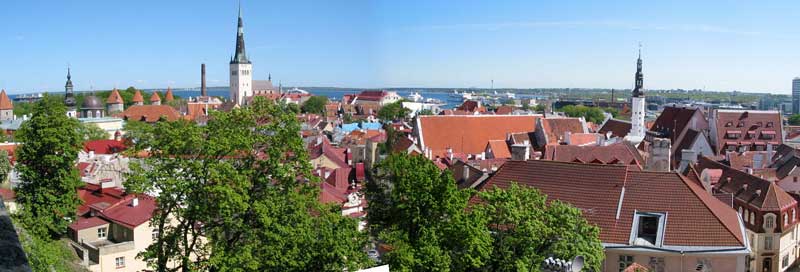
240	57
638	90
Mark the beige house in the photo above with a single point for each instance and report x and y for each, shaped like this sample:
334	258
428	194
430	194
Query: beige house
112	228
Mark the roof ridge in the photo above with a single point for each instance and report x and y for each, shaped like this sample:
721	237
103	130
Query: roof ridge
713	211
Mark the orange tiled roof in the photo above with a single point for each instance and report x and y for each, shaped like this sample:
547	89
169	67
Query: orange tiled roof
499	149
469	133
5	102
168	96
114	97
155	97
555	128
137	97
149	113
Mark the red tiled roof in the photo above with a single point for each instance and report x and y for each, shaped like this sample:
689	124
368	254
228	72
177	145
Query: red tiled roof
583	138
757	192
504	110
115	205
696	218
469	134
372	95
11	150
168	96
337	155
104	146
137	97
329	194
114	97
556	128
155	97
673	120
618	128
87	222
743	122
471	106
5	102
7	194
618	153
499	148
149	113
360	172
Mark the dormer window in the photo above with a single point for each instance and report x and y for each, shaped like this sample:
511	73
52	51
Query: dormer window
728	124
648	229
769	124
740	124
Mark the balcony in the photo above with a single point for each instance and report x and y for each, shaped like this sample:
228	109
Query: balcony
90	252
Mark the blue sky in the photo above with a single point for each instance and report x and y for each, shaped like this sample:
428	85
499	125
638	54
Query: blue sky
745	45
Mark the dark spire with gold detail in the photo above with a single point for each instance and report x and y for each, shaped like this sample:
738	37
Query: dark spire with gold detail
240	57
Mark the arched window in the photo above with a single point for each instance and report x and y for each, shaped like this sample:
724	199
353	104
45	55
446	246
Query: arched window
740	211
785	219
752	218
89	114
793	215
769	221
746	216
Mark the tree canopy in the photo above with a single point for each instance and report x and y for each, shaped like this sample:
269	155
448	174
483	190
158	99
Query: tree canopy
430	225
91	132
393	111
794	120
591	114
246	178
45	161
315	104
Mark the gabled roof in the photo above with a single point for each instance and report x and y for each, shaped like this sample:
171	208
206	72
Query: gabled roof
149	113
137	97
499	149
504	110
673	120
115	97
618	128
695	217
759	193
747	126
5	102
556	128
115	205
618	153
469	134
372	95
324	148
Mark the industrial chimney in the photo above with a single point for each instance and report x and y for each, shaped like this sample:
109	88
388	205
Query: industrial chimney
203	80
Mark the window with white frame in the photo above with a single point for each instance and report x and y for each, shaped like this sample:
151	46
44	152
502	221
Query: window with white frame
648	228
767	242
746	216
624	262
785	219
101	233
785	261
769	221
752	218
794	217
120	262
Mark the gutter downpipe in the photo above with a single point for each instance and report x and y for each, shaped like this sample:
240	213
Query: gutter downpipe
682	260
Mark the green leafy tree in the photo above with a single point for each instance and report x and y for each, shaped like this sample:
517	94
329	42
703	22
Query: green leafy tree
393	111
5	166
425	112
539	108
239	177
794	120
526	229
45	254
422	215
315	104
591	114
91	132
47	194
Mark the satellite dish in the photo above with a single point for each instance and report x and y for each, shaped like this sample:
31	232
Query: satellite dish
577	264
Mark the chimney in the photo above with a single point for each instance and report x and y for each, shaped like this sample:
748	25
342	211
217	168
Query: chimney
135	202
520	152
600	140
203	91
567	137
465	172
749	170
483	155
450	153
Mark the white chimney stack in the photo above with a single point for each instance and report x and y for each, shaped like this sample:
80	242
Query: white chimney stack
135	202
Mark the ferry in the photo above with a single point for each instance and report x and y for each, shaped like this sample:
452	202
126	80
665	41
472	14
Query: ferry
415	97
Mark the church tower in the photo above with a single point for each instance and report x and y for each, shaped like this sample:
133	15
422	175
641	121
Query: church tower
241	79
69	97
637	133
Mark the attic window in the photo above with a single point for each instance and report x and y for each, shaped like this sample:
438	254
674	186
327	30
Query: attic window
648	228
741	124
769	124
728	124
